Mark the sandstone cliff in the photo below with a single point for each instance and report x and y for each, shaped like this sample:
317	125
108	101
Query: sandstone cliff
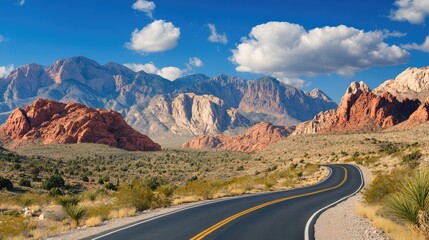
49	121
256	138
420	116
361	110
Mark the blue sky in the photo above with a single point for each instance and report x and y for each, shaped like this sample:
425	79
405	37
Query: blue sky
295	41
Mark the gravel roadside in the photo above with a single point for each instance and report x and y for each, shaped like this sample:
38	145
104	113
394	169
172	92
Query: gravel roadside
343	223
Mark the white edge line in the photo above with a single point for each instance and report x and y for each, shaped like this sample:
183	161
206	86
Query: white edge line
307	226
203	204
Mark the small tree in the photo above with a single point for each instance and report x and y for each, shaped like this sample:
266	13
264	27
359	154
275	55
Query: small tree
53	181
5	183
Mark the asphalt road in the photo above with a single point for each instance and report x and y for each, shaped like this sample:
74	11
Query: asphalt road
275	215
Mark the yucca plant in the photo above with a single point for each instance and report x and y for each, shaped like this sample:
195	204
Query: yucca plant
67	200
411	203
75	212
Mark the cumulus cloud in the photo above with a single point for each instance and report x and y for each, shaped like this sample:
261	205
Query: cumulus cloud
144	6
195	62
421	47
170	73
5	70
288	51
157	36
413	11
215	37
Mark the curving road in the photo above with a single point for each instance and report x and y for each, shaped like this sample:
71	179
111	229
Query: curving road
276	215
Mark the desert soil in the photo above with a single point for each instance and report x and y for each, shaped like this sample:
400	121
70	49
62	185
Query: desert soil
342	222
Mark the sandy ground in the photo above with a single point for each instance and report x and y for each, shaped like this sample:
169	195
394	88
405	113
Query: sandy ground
343	223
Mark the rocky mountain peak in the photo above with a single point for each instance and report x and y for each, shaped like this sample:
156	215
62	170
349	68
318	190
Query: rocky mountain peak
411	83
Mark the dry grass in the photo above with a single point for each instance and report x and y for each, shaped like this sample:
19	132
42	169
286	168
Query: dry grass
121	213
93	221
391	228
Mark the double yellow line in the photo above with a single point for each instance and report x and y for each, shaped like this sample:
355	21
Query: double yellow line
218	225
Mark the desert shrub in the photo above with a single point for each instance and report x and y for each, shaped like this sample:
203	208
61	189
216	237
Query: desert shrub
411	202
412	160
137	195
67	200
53	181
91	194
24	183
166	190
75	212
56	192
11	226
383	185
111	186
100	210
155	182
5	183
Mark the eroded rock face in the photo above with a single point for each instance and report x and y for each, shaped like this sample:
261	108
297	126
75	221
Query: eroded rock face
411	83
54	122
186	114
420	116
256	138
361	110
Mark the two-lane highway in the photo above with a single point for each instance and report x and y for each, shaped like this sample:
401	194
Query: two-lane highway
275	215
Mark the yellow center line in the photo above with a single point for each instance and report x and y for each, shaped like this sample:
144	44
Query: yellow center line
218	225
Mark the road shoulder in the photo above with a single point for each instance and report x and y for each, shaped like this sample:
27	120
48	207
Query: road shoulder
343	223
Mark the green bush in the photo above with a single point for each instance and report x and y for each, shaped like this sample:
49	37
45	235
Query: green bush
52	182
111	186
24	183
155	182
137	194
383	185
5	183
412	160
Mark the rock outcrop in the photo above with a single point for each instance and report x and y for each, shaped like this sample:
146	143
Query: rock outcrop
187	114
361	110
420	116
49	121
256	138
411	83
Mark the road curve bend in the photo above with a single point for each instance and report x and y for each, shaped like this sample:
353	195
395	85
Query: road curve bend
287	214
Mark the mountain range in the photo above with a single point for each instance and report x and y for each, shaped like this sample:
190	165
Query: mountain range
189	106
402	102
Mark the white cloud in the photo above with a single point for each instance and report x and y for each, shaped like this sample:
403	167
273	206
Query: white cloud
195	62
5	70
2	39
215	37
421	47
413	11
157	36
288	51
144	6
21	2
170	73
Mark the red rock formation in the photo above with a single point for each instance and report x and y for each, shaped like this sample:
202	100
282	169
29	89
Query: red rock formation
361	110
420	116
256	138
54	122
